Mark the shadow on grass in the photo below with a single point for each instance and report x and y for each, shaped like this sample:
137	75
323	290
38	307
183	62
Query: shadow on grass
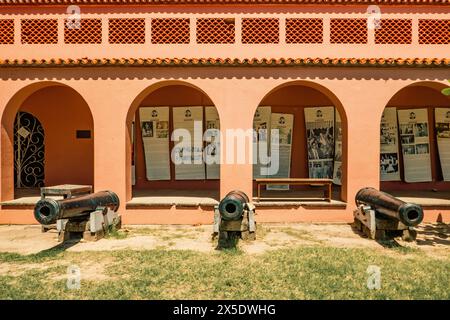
40	256
54	251
385	243
433	234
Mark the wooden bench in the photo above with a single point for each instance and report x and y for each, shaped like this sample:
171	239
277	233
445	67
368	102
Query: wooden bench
327	183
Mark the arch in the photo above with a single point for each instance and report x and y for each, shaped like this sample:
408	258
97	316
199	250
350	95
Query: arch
172	93
62	111
418	95
317	95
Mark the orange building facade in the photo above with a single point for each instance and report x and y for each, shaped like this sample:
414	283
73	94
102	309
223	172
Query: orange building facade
82	88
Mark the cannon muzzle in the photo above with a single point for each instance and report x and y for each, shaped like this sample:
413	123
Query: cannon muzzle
47	211
409	214
232	206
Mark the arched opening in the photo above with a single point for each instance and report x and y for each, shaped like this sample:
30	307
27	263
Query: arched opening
415	144
32	159
165	167
312	140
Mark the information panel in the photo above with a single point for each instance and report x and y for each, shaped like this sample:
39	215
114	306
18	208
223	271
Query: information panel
442	116
261	127
212	146
337	167
389	157
188	153
155	137
284	123
320	141
415	143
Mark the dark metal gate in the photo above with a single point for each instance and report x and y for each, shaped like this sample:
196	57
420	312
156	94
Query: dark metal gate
29	151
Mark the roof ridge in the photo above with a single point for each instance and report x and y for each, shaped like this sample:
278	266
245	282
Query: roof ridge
221	2
227	62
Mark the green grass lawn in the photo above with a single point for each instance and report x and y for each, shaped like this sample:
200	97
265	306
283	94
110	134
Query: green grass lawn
293	273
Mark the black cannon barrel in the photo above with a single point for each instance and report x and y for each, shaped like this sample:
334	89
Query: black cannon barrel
47	211
232	206
409	214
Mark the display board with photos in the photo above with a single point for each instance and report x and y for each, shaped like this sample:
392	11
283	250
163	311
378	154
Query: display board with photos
188	154
337	166
442	123
414	138
284	123
389	153
319	123
155	138
212	145
261	130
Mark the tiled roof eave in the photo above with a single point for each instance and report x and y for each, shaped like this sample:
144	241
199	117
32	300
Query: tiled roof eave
228	62
220	2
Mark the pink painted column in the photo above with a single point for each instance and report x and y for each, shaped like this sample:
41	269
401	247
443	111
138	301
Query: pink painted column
109	106
363	108
236	106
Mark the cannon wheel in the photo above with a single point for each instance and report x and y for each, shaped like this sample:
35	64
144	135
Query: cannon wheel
409	235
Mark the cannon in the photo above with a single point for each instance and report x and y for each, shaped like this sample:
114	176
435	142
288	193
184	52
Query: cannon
89	214
234	219
233	205
382	216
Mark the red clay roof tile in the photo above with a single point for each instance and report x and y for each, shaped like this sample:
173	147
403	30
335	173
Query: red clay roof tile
228	62
220	2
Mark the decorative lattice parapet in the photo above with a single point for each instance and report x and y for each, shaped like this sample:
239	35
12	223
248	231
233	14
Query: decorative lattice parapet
394	31
433	31
170	31
6	31
348	31
304	30
215	30
39	31
260	30
126	31
87	31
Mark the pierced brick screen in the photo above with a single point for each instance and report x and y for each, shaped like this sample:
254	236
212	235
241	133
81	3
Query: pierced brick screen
127	31
260	30
304	30
170	31
433	31
7	31
88	31
215	30
39	31
394	31
348	31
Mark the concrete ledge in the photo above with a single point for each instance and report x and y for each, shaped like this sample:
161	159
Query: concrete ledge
306	204
165	202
